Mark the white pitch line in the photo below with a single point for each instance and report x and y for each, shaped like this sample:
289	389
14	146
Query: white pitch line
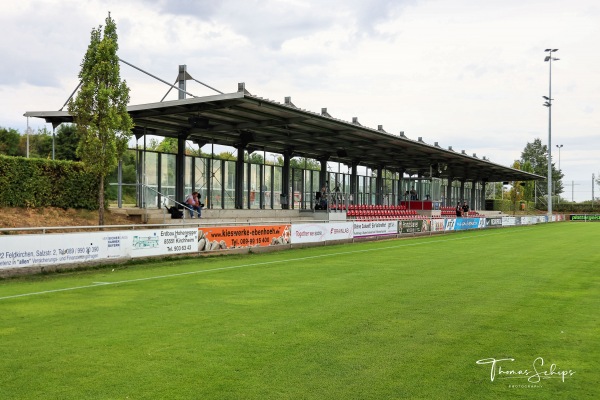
97	284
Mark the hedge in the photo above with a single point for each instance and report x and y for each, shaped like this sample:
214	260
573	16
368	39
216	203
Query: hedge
36	182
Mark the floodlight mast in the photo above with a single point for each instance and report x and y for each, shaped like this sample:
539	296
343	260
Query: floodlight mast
548	104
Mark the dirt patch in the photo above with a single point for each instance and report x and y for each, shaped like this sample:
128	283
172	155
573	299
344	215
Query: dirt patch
16	217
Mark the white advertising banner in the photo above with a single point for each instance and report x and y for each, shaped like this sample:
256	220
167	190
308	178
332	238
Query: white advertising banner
437	225
321	232
36	250
509	221
164	242
67	248
374	228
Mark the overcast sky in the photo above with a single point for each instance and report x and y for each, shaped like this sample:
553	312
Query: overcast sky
464	73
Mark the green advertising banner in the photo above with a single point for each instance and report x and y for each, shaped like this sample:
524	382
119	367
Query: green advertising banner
584	217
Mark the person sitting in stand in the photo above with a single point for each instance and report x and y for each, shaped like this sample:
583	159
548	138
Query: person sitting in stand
193	203
459	210
324	198
465	208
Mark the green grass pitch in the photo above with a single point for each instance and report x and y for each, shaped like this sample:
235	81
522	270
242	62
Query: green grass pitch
391	319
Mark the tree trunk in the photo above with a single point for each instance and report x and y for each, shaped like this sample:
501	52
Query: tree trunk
101	201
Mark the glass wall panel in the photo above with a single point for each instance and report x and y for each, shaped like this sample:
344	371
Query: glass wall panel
372	190
216	183
268	186
297	189
188	176
229	184
277	170
150	180
167	176
254	185
201	179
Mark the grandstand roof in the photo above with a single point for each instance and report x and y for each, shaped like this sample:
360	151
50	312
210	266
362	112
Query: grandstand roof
241	118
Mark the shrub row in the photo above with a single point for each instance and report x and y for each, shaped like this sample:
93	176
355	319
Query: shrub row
36	182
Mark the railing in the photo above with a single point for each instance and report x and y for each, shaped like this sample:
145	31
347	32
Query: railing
166	199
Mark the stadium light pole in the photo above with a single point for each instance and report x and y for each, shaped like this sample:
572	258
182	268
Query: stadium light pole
559	146
548	104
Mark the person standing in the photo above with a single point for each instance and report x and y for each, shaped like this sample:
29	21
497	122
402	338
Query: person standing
459	210
413	193
465	208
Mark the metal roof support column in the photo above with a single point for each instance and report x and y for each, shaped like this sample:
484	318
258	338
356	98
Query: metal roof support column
239	178
180	168
482	196
181	78
473	200
354	182
379	186
180	157
462	190
323	172
285	180
449	200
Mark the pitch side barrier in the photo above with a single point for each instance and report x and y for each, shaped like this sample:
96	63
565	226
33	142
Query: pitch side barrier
585	217
31	253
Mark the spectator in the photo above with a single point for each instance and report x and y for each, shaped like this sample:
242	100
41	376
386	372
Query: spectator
465	209
193	203
323	200
459	210
337	195
413	193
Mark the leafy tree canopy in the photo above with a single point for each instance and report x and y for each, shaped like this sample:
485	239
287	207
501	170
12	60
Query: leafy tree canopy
100	107
535	156
9	141
66	142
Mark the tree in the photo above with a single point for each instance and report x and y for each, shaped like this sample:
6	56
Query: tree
536	155
9	142
40	144
100	108
255	158
302	162
226	155
66	142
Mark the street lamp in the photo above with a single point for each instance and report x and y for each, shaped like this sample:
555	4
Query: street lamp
548	104
559	146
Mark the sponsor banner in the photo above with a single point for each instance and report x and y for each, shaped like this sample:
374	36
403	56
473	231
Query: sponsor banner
163	242
509	221
231	237
463	224
449	224
492	222
437	225
527	220
67	248
321	232
414	226
374	228
583	217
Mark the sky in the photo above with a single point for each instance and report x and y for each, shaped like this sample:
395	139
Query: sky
464	73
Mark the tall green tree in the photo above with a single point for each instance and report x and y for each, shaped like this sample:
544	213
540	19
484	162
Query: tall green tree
536	155
100	108
66	142
9	141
